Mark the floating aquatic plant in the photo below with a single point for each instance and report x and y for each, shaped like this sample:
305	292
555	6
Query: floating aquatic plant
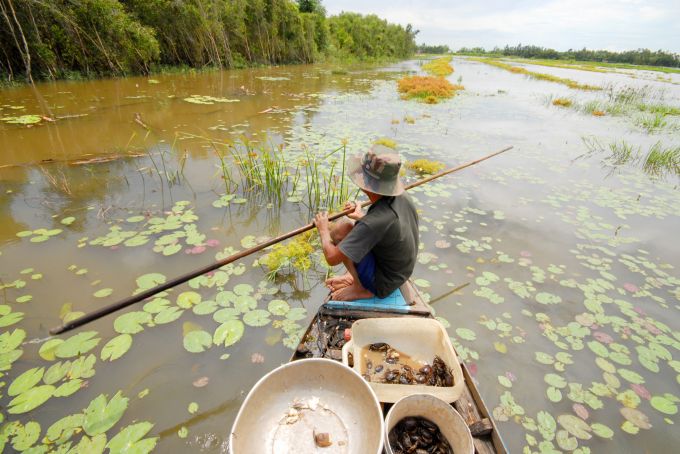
439	67
425	166
562	102
419	87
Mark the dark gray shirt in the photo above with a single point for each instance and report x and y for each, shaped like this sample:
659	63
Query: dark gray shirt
390	230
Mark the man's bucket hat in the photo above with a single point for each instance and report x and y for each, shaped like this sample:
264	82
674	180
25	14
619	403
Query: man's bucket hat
376	170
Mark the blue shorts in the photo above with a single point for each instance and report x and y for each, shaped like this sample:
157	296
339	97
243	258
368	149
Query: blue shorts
366	272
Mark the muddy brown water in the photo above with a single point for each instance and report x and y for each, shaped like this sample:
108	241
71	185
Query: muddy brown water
547	243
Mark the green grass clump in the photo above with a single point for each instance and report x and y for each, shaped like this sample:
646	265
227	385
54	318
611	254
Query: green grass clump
339	71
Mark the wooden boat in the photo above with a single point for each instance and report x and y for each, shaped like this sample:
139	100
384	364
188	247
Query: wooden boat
329	325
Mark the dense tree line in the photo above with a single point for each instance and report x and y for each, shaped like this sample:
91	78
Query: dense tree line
643	57
425	49
65	38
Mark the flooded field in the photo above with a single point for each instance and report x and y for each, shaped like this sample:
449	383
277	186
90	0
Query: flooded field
565	247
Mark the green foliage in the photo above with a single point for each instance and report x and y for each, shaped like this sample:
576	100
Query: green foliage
353	34
76	38
633	57
425	49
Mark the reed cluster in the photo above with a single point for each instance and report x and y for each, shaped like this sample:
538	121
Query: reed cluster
659	161
302	176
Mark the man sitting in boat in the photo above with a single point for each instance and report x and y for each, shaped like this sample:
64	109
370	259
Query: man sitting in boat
380	249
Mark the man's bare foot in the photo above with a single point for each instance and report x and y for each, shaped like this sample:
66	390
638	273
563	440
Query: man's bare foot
338	282
351	293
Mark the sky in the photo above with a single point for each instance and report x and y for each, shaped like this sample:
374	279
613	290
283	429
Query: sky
557	24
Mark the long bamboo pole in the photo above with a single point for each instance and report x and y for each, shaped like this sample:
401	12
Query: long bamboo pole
99	313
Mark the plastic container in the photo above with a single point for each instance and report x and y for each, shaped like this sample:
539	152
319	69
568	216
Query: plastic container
450	423
423	337
353	416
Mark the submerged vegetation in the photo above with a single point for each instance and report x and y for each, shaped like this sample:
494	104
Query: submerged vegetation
422	88
68	39
538	76
640	57
439	67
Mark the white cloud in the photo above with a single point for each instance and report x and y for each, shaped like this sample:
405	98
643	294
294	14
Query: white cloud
560	24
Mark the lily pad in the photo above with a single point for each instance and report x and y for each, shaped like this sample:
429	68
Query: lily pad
193	407
150	280
156	306
547	298
544	358
87	445
565	441
554	394
298	313
103	293
186	300
66	423
555	380
278	307
116	347
195	341
30	399
256	318
598	349
129	440
226	314
466	334
100	416
422	283
131	323
26	436
229	333
136	219
664	405
601	430
243	289
68	221
77	345
205	308
636	417
631	376
26	381
48	348
245	303
56	372
169	315
575	426
172	249
68	388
